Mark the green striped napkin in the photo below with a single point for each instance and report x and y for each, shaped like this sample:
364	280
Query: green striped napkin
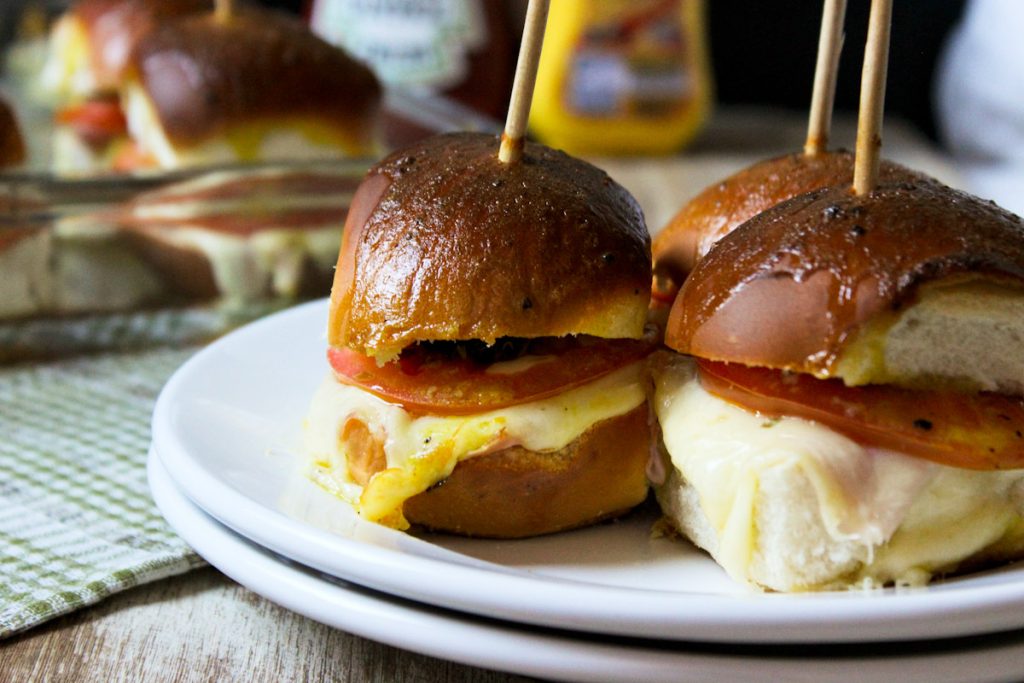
76	519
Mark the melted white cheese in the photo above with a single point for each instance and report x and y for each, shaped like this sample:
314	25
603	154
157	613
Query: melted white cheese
425	449
912	516
267	262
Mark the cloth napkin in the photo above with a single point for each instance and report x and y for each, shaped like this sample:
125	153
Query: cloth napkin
77	522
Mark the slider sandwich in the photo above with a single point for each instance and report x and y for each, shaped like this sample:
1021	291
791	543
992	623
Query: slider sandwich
243	236
168	84
90	48
233	237
69	264
849	410
257	86
487	344
55	267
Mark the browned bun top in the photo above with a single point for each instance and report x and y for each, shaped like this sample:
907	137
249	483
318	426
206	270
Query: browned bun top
790	287
203	75
445	242
114	28
12	146
724	206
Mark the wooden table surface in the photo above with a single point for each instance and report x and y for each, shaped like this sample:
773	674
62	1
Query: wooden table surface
204	627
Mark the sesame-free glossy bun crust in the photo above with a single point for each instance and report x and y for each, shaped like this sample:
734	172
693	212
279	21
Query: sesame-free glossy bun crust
445	242
724	206
115	26
203	76
790	287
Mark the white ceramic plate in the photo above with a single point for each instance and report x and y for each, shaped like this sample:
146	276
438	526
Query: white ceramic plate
564	655
227	427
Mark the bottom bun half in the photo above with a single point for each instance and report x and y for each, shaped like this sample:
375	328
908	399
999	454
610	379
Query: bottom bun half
515	493
789	505
534	468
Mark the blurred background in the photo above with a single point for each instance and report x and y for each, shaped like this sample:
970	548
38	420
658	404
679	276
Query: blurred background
956	72
761	53
666	95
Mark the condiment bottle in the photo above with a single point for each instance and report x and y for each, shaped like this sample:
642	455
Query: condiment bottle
459	48
622	76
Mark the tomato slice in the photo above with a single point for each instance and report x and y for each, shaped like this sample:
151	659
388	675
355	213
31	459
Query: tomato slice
131	157
427	383
972	431
95	119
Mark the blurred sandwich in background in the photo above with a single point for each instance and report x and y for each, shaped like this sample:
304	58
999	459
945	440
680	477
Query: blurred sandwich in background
165	84
227	237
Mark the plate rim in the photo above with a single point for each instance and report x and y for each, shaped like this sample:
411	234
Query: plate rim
563	655
601	609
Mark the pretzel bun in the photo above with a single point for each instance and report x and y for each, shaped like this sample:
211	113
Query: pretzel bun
445	242
916	264
911	285
114	27
259	85
90	44
724	206
517	493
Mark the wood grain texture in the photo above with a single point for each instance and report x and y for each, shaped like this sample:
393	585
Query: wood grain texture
202	627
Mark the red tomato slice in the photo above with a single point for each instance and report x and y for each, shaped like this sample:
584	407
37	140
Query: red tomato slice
131	157
444	386
972	431
95	119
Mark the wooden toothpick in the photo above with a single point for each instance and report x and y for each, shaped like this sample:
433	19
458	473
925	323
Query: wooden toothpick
872	98
223	10
522	89
826	71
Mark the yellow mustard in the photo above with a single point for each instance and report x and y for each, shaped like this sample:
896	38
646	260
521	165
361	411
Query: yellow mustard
622	76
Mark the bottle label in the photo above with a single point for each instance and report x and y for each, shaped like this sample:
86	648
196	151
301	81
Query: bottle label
409	43
631	60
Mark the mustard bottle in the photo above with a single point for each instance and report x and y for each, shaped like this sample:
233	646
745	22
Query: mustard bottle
622	76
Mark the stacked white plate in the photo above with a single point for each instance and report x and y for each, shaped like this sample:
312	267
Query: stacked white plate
606	603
